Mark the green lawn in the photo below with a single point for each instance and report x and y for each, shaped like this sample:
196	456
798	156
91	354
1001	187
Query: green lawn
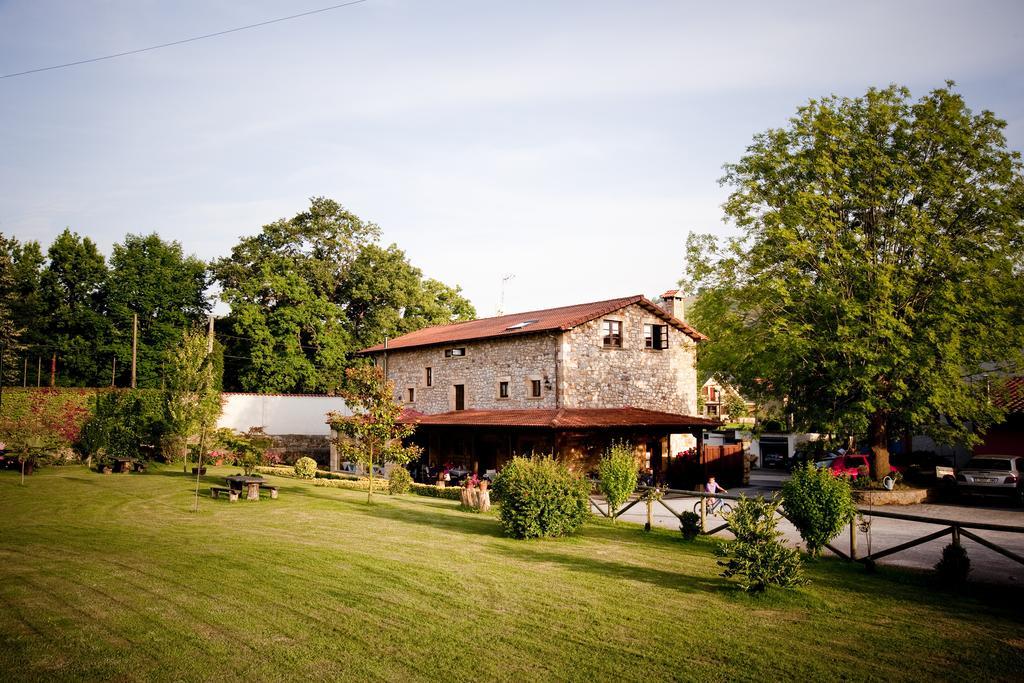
113	577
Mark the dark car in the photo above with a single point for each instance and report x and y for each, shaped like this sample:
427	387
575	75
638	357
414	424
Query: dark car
998	475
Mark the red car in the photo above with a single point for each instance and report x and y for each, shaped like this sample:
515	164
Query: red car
849	465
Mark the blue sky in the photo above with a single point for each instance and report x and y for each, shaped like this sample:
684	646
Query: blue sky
573	144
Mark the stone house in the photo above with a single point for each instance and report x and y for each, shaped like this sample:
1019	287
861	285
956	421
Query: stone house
565	380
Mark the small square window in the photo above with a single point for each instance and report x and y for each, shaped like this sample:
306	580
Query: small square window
455	353
535	388
430	377
656	337
502	389
612	334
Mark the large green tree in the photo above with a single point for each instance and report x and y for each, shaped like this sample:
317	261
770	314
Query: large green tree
71	294
385	296
282	287
10	331
307	292
877	268
166	289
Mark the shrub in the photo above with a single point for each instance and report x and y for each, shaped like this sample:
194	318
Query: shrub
819	505
540	497
954	566
757	556
125	423
617	472
379	485
305	468
689	525
399	481
432	491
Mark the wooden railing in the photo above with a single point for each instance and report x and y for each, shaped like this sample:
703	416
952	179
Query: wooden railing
954	528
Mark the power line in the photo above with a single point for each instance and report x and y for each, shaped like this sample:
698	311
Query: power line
185	40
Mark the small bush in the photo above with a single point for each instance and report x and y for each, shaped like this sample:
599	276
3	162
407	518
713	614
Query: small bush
954	566
379	485
617	472
432	491
757	556
305	468
399	481
540	497
689	525
819	505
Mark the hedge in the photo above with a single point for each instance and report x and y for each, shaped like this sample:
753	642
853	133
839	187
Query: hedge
432	491
379	485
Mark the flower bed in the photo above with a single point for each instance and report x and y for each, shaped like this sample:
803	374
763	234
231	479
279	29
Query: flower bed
901	496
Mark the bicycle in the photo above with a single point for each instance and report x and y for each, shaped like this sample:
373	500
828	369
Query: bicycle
719	507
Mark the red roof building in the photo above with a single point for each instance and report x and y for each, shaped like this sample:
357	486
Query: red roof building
566	381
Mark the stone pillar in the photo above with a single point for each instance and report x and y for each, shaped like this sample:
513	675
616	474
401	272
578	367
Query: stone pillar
335	465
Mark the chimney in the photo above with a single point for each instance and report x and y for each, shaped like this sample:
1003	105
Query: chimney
672	303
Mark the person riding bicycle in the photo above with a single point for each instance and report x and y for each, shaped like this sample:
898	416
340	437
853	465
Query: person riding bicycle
713	487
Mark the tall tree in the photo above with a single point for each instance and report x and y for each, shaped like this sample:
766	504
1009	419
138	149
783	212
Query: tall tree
166	289
10	331
70	290
877	269
282	287
384	296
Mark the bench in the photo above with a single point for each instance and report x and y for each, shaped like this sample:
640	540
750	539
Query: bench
215	492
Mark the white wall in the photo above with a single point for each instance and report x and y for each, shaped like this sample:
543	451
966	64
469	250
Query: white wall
280	413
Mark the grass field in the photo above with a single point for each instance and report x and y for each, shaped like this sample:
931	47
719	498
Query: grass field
113	577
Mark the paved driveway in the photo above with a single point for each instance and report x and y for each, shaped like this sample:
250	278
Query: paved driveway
986	565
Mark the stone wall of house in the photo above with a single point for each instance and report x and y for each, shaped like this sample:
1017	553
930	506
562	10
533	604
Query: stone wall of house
598	377
516	360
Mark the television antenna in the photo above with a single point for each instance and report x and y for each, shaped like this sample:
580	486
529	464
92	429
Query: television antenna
501	300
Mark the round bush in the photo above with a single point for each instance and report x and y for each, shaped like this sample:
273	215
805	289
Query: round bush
305	467
540	497
689	525
954	566
399	481
819	504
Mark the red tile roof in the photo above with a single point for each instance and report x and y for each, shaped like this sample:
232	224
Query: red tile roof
547	320
564	418
1010	396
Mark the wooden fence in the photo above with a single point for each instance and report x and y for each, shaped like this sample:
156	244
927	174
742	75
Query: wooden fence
949	527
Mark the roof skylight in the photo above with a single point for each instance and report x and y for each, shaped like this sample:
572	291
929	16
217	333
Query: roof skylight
519	326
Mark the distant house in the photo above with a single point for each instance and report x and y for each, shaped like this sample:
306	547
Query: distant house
567	381
719	398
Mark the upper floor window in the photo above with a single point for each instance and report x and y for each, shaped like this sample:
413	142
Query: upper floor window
656	337
502	389
429	377
535	388
612	334
455	353
412	395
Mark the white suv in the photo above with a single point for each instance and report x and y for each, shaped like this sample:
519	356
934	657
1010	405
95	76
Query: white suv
993	475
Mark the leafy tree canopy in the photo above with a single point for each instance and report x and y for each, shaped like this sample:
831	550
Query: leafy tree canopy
71	292
166	288
308	291
877	267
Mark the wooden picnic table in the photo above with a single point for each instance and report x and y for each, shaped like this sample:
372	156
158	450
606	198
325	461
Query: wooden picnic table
122	464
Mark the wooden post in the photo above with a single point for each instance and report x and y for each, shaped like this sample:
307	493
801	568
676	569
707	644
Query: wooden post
113	370
956	535
853	540
39	371
703	514
24	374
53	370
650	516
135	344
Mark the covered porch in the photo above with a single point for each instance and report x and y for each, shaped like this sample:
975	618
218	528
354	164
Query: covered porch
482	441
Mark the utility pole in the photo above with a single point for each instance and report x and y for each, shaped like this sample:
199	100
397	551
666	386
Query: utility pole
39	371
24	374
53	370
113	370
135	344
